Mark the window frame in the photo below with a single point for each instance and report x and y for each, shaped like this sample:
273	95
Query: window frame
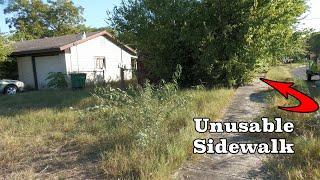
100	62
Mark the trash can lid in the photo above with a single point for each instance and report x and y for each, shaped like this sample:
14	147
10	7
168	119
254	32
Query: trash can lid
78	74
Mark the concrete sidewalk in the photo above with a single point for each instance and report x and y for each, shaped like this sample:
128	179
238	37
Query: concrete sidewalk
246	106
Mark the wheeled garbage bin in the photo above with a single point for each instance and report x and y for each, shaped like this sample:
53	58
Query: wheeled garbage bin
78	80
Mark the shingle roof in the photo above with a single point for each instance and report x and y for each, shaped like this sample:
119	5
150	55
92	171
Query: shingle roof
57	44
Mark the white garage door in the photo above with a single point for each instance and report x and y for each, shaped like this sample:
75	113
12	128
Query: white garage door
26	71
47	64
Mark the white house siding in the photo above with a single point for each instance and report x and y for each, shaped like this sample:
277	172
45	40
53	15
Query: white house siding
81	58
26	71
47	64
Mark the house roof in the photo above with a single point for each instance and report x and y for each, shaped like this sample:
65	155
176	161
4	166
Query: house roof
61	43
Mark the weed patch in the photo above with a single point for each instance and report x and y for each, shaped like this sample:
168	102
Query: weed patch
140	133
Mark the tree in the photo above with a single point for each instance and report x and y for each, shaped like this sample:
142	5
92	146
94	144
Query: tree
84	28
215	41
314	43
5	48
63	17
33	19
7	66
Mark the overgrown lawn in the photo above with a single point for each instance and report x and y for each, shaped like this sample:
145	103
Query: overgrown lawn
102	133
305	163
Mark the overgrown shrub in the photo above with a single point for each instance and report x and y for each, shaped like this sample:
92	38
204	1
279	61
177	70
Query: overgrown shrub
57	80
216	42
8	69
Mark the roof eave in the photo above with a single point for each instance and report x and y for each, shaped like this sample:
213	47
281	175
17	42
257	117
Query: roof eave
35	52
102	33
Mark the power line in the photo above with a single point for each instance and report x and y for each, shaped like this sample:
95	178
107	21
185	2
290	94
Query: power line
310	19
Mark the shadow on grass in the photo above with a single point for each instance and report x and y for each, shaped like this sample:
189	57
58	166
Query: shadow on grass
73	160
37	100
70	162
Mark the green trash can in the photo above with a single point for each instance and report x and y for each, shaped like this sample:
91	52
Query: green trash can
78	80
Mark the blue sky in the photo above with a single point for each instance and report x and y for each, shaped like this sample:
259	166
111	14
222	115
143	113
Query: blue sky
95	13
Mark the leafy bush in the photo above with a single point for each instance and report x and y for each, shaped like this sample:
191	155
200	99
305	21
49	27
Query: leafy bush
57	80
216	42
5	48
8	69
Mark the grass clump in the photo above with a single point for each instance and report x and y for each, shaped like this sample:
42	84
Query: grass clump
282	72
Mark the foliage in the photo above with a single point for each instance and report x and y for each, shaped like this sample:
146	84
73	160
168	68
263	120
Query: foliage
36	19
57	80
215	41
8	69
314	43
84	28
5	48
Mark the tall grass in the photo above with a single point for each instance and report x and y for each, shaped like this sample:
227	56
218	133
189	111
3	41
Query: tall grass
139	133
154	127
305	163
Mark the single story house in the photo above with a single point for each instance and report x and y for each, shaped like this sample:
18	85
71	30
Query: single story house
98	54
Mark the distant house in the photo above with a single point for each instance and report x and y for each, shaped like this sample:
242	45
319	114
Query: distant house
98	54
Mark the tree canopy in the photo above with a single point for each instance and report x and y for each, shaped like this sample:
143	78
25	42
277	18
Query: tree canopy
6	66
5	48
31	19
215	41
314	43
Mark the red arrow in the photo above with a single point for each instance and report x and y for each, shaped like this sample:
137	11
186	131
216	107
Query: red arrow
307	104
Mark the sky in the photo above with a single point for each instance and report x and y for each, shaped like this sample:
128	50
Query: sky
312	17
95	14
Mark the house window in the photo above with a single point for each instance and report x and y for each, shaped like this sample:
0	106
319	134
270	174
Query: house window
100	62
134	64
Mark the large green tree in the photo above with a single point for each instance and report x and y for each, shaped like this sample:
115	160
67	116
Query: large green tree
215	41
32	19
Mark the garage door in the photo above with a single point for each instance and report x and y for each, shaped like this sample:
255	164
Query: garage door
26	71
47	64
